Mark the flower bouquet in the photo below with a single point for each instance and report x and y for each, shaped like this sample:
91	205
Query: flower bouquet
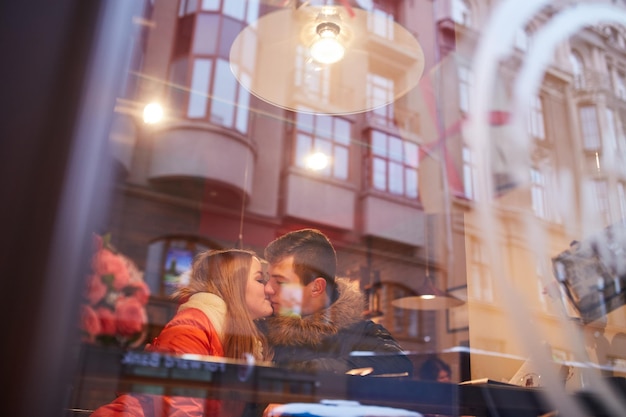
114	312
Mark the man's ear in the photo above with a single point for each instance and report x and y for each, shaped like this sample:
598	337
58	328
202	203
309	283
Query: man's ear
319	286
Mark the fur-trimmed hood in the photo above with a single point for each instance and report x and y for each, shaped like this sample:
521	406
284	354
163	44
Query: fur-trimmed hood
307	330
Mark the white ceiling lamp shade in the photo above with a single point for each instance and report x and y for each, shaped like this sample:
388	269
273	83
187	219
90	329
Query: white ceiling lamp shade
428	297
327	59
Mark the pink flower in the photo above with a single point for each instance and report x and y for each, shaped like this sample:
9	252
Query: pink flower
96	290
108	324
141	291
108	263
90	322
130	316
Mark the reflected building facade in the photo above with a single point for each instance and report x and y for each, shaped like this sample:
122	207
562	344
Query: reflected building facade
401	195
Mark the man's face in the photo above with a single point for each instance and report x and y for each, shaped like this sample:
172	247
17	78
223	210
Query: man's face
288	290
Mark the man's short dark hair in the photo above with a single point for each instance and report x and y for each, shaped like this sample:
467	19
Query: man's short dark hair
313	256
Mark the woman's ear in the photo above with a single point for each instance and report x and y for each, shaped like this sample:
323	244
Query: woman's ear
319	286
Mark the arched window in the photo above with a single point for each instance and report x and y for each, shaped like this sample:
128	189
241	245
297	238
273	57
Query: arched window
169	259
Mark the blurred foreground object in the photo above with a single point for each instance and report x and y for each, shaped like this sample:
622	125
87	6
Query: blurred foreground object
593	272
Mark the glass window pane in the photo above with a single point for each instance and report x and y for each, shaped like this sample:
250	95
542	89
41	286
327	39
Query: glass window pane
411	183
224	89
589	125
192	6
396	178
325	147
379	174
324	126
229	31
342	131
340	163
212	5
235	9
411	154
253	12
177	92
468	186
303	148
379	143
206	35
395	149
305	122
198	98
243	108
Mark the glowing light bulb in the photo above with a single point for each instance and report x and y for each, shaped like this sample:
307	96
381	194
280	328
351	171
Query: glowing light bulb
317	161
327	49
152	113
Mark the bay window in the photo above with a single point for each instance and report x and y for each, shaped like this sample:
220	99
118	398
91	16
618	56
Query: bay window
394	164
201	85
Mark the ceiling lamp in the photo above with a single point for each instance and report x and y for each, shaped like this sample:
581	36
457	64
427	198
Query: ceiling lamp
326	59
428	297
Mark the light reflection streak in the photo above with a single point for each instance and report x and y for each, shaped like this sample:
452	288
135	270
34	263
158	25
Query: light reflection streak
496	41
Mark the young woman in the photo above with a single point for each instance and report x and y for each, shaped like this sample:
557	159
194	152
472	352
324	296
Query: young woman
227	291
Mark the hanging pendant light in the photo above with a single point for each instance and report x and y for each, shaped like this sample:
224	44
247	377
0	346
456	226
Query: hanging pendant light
428	297
326	59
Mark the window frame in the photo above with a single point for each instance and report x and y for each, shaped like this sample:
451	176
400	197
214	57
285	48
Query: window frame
590	129
231	110
312	126
403	164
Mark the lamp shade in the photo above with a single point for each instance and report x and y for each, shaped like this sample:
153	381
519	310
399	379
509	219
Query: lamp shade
428	297
322	59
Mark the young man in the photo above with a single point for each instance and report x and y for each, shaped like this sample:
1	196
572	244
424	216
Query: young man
317	323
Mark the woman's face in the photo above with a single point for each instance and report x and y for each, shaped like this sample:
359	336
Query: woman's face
258	292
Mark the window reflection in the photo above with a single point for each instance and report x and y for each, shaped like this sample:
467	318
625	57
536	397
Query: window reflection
328	135
394	164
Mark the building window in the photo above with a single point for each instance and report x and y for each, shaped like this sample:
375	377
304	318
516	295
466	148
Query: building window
202	87
620	85
313	79
538	193
380	90
589	127
461	12
465	79
621	196
480	272
601	201
382	26
469	174
536	126
169	261
329	135
393	164
578	70
610	135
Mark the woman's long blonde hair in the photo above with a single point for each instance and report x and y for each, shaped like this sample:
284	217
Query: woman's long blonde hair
225	273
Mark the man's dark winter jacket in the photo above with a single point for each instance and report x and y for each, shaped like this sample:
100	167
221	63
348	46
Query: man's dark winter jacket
336	339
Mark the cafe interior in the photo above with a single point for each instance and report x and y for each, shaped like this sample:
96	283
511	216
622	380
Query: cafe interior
466	158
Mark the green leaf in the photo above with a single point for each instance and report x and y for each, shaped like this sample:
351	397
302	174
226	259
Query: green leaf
108	279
